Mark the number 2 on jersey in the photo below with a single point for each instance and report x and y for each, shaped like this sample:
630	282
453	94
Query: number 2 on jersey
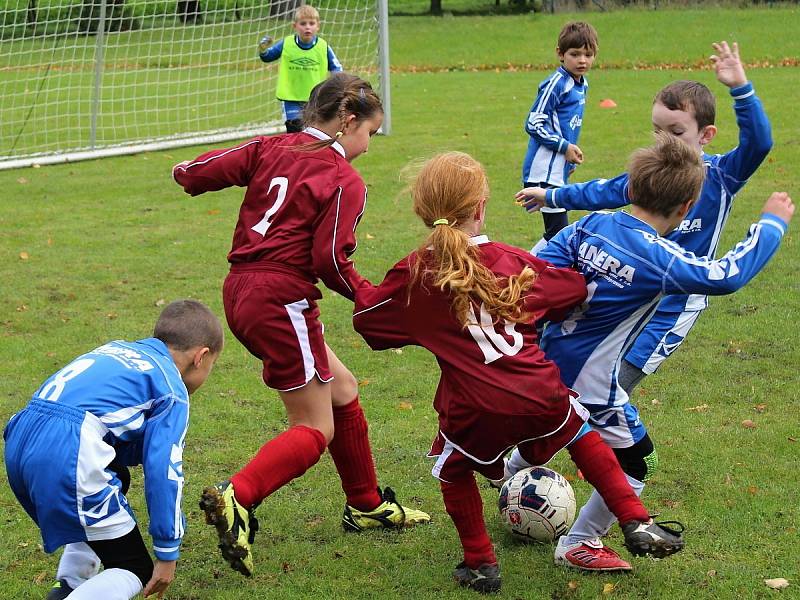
282	184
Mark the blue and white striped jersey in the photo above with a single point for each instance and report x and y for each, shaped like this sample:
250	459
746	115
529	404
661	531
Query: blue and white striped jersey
136	392
628	268
553	124
726	174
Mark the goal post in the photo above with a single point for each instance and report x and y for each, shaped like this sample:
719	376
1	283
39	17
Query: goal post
83	79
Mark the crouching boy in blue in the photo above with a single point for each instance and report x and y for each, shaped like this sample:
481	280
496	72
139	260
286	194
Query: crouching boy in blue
629	266
126	403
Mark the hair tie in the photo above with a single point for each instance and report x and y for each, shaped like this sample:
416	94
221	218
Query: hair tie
362	93
441	222
339	134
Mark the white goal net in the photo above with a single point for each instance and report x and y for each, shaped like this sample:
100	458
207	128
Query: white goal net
90	78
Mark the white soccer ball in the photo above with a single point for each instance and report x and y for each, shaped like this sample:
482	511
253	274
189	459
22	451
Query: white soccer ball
537	505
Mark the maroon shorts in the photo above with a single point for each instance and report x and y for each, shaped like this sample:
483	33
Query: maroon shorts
539	439
275	316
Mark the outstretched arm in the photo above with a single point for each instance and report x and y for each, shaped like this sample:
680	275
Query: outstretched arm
597	194
755	132
688	273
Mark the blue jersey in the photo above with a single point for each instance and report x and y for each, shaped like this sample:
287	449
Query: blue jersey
553	124
726	174
628	268
123	401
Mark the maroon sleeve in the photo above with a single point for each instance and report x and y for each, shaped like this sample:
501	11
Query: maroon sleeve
555	292
335	237
219	169
380	311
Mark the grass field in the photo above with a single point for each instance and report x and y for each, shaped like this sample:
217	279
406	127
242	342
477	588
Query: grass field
91	249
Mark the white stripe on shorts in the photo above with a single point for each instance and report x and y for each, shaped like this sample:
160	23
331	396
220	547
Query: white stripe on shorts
295	310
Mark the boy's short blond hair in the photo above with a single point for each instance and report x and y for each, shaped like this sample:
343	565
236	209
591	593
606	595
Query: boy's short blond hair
306	12
577	34
665	175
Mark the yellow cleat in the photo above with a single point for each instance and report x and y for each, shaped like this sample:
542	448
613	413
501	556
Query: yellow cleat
236	526
389	514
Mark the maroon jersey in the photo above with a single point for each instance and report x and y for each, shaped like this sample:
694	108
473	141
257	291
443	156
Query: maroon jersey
300	210
497	388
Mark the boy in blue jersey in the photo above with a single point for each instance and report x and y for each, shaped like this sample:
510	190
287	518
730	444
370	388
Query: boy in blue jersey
125	403
306	59
629	266
555	119
685	109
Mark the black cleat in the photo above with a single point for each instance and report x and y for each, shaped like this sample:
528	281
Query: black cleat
653	539
485	579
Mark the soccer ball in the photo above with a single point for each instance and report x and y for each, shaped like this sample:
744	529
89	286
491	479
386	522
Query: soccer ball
537	505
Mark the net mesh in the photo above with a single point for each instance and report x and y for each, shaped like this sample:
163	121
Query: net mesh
78	75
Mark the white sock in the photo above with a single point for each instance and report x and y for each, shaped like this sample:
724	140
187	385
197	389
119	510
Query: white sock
515	463
595	519
539	246
111	584
78	563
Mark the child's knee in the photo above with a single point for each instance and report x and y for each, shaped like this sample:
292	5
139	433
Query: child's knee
345	388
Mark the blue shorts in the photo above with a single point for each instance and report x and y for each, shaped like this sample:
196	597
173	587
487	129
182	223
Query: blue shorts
292	109
660	338
56	461
619	426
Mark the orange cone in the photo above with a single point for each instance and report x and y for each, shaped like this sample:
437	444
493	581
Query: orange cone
608	103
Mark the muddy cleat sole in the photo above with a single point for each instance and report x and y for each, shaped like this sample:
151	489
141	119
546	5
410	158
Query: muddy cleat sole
653	539
485	579
389	514
59	591
235	525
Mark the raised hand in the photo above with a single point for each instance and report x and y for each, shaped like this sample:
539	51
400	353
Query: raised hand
727	65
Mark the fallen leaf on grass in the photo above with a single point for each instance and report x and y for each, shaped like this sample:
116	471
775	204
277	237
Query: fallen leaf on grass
363	382
370	236
397	350
655	402
573	585
161	302
792	439
213	211
760	408
608	589
752	490
405	406
24	256
22	180
779	583
39	579
748	424
711	573
700	408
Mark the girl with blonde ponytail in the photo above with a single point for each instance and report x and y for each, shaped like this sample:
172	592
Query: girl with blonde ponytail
474	304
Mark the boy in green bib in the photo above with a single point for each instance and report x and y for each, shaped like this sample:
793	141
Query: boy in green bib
305	60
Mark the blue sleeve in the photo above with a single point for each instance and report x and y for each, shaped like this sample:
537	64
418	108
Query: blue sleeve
334	66
273	52
538	124
755	139
690	274
562	249
597	194
163	475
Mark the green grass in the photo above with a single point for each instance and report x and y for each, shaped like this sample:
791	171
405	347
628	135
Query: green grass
107	240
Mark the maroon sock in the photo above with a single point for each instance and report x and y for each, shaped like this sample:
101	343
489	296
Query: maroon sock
463	503
601	468
352	456
280	460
